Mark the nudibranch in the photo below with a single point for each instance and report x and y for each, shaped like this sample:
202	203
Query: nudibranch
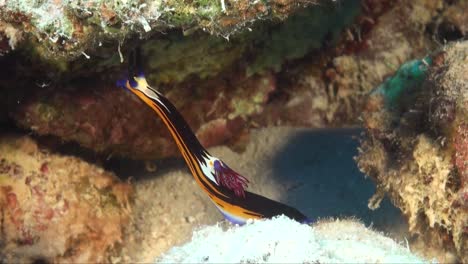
224	186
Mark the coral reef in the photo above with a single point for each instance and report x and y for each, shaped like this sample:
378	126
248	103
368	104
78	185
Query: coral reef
281	240
265	47
416	149
75	101
56	208
69	29
110	119
173	56
332	92
262	80
228	66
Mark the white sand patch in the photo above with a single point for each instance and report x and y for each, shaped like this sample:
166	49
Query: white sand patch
282	240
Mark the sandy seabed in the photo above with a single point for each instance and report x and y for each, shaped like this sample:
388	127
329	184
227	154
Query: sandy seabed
312	170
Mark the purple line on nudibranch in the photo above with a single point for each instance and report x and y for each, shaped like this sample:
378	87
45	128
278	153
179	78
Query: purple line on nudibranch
231	218
122	83
230	179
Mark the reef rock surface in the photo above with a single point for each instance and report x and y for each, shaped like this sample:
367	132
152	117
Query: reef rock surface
417	148
311	69
79	101
57	209
69	28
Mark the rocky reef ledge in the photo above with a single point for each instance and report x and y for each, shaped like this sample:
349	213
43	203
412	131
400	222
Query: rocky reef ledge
416	148
311	68
58	208
72	28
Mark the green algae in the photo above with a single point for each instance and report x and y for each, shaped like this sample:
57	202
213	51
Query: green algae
243	108
62	24
266	47
47	112
247	102
301	33
406	81
177	57
184	14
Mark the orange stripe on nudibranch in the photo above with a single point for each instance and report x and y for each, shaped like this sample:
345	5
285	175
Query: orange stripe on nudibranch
191	160
226	187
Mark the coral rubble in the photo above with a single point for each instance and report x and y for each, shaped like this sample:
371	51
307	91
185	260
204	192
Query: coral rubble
56	208
416	148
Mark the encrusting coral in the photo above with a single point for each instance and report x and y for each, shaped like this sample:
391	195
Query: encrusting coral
417	148
331	91
70	29
56	208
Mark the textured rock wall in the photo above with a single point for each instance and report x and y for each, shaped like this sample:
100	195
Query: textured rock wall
69	29
289	73
416	149
57	209
78	101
